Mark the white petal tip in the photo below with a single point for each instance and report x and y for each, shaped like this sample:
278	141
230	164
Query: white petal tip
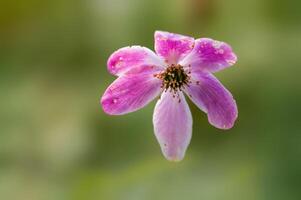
174	158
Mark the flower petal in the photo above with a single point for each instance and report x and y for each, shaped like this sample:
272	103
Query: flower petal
172	47
133	59
209	55
214	99
173	125
129	93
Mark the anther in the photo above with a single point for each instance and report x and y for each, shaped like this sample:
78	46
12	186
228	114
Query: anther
174	78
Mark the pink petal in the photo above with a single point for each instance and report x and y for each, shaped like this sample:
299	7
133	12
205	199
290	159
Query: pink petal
129	93
172	47
214	99
173	125
209	55
135	59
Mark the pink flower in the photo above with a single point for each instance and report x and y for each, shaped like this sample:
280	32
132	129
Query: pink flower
181	65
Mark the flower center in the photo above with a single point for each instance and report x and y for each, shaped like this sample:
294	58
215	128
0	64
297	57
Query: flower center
174	78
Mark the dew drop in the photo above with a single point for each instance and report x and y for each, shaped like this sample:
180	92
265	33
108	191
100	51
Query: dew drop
231	62
217	44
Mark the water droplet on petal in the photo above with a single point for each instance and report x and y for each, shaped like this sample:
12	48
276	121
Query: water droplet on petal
221	51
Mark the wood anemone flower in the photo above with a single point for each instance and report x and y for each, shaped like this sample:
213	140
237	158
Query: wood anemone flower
181	65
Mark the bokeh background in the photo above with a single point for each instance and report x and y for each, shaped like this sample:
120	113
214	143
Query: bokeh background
56	143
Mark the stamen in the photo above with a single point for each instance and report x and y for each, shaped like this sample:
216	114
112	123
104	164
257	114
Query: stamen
174	78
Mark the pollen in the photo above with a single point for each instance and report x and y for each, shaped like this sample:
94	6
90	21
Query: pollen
174	78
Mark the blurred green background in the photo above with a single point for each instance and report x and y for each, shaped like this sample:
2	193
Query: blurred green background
56	143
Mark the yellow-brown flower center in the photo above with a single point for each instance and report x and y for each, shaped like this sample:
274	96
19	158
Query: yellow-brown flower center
174	78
